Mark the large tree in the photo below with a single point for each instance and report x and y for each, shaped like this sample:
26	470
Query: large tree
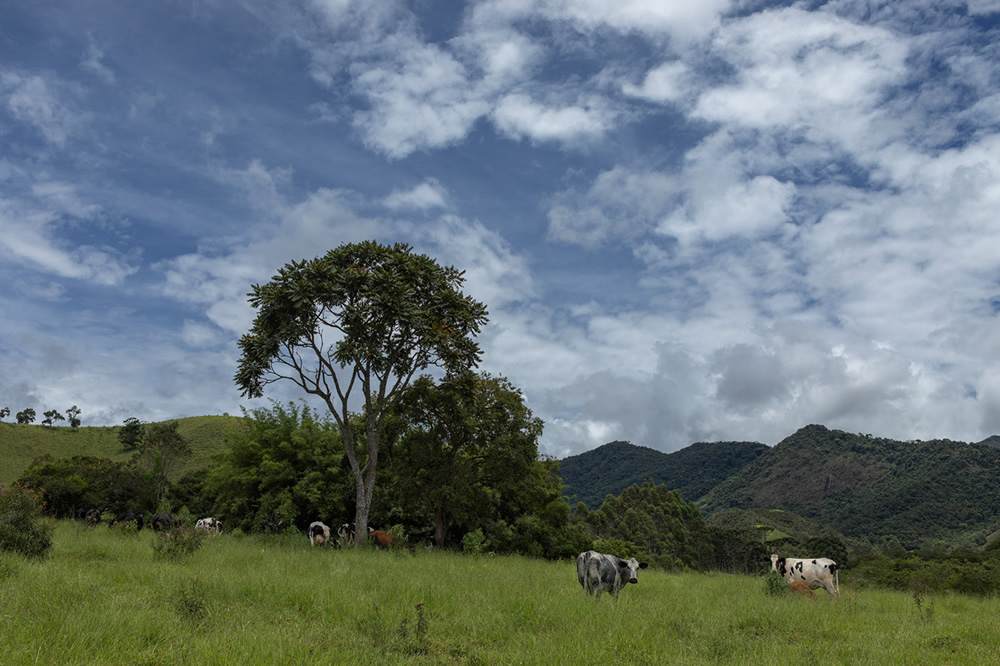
163	452
469	451
364	317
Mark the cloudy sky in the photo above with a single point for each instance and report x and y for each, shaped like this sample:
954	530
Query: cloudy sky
690	221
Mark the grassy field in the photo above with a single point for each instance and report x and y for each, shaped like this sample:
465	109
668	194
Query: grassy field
102	598
20	444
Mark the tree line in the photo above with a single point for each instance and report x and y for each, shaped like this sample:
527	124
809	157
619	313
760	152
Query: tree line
28	416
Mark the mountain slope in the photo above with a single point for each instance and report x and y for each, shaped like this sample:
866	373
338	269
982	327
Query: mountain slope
692	471
919	491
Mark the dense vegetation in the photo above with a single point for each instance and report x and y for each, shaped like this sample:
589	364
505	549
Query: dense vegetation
925	494
102	598
607	470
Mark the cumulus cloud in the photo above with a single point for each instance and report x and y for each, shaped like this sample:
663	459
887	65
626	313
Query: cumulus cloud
44	103
425	196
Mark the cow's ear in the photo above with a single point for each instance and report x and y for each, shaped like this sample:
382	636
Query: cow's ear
643	565
622	564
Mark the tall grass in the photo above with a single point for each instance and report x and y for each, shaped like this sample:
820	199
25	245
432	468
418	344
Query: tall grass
102	598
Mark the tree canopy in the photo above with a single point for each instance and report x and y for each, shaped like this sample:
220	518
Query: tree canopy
364	317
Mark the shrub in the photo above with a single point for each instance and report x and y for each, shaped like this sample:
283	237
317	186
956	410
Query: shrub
177	542
473	542
22	530
775	584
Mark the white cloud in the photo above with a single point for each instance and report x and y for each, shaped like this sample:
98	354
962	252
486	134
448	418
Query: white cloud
427	195
668	82
92	62
44	103
519	116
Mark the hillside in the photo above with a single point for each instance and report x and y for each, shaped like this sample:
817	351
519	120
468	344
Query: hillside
20	444
692	471
919	491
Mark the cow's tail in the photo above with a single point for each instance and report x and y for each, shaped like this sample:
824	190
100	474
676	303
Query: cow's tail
836	577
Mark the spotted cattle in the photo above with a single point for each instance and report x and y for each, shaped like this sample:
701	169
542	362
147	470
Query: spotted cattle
598	572
318	533
814	572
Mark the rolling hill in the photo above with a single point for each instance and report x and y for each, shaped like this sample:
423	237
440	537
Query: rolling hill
20	444
692	471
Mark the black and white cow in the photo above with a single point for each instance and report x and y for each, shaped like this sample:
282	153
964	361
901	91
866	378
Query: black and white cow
273	528
209	525
815	572
318	533
347	532
598	572
92	516
127	520
162	521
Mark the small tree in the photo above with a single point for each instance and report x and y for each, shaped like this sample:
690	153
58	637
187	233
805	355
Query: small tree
26	416
22	530
162	454
365	316
132	433
4	413
52	415
74	416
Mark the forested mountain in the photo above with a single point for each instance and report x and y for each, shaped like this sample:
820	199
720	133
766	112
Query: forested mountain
920	492
692	471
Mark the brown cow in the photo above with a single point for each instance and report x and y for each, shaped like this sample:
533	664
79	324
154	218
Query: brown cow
380	537
798	587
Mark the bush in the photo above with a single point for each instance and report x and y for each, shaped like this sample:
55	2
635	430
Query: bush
473	542
22	530
775	584
177	542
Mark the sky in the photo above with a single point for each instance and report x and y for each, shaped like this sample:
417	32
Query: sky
690	221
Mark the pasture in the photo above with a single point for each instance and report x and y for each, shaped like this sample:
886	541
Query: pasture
103	598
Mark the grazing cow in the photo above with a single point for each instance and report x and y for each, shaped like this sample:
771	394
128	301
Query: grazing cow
128	519
92	516
273	528
380	538
347	531
816	573
319	533
209	525
597	572
162	521
798	587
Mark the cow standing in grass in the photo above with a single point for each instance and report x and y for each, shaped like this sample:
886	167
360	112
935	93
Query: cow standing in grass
815	572
598	572
380	538
209	525
318	533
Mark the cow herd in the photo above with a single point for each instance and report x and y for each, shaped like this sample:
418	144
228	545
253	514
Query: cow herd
598	572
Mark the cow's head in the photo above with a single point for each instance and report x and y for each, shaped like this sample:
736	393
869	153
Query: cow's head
629	569
777	564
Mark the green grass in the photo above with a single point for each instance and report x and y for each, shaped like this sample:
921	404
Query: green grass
20	444
102	598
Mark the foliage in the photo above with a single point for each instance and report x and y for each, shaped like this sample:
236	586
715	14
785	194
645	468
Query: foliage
85	482
365	316
26	416
284	467
163	451
22	529
473	542
775	584
467	454
74	416
656	521
692	471
967	572
132	433
178	542
870	487
51	416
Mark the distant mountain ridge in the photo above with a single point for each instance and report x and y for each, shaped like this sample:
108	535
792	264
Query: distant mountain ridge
863	487
692	471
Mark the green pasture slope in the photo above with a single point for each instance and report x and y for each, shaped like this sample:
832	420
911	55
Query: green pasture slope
102	598
20	444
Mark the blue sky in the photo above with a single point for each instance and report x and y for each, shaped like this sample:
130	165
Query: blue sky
720	220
